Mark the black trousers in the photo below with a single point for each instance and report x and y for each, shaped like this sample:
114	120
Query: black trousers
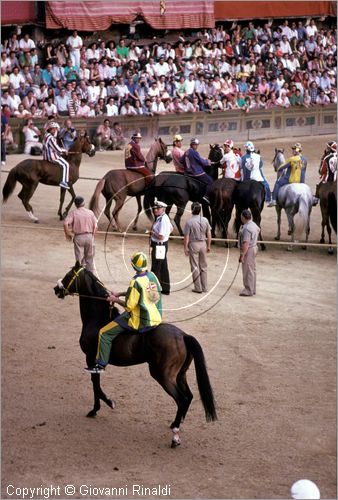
160	267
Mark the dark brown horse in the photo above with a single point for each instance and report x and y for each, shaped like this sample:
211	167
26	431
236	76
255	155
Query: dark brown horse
167	349
30	172
118	184
328	205
222	202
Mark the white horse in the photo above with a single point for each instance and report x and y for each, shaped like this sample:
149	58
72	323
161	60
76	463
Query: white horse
278	160
296	199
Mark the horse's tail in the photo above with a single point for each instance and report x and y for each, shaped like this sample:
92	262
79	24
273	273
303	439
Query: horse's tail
9	185
202	376
332	210
94	201
302	216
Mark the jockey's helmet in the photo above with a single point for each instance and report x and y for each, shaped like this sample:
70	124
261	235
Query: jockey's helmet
194	140
297	147
249	146
53	125
139	261
230	143
177	138
332	145
136	135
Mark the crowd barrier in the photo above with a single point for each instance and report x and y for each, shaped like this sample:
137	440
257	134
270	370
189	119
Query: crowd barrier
212	127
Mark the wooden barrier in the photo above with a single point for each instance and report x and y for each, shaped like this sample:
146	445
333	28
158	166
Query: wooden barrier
213	127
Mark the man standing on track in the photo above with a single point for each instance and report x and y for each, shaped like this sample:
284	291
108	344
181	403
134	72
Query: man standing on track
197	243
80	226
248	235
160	233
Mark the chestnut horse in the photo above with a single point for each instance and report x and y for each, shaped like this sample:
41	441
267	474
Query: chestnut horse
118	184
167	349
31	171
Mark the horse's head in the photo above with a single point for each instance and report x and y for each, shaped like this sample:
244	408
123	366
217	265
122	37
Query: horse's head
165	153
80	281
86	146
278	159
216	153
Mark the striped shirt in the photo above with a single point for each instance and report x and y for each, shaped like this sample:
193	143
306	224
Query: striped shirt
51	150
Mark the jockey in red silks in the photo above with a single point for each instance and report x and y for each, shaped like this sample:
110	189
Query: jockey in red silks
328	167
134	159
52	152
231	161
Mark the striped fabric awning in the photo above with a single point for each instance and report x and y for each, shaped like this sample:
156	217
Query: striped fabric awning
159	14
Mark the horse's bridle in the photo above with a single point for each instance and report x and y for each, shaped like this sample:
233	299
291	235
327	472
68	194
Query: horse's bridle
74	278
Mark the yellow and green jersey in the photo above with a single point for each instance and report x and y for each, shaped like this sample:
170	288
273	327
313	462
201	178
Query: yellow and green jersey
143	302
295	166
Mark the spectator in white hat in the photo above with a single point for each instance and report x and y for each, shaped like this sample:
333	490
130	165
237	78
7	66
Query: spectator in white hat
304	489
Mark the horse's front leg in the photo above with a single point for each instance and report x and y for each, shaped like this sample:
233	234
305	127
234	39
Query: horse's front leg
279	216
73	195
98	395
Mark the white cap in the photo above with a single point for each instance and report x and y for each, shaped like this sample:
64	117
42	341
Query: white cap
194	141
305	489
159	204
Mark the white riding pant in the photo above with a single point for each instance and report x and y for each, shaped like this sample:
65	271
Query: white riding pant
65	165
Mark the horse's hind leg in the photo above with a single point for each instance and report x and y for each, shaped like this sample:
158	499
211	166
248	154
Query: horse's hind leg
279	215
99	395
119	202
168	382
139	210
25	195
107	208
177	218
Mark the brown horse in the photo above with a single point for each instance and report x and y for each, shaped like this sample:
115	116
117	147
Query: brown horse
328	205
30	172
167	349
118	184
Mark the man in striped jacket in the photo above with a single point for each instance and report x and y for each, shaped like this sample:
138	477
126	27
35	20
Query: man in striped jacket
52	152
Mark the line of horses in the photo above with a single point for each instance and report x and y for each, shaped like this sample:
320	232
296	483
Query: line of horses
177	189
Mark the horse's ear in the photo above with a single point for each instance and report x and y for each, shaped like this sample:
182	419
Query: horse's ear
211	146
77	265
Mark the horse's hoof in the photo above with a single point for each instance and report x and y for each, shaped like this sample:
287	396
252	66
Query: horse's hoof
64	215
36	221
322	240
330	251
277	238
134	228
174	444
304	247
111	403
91	414
289	232
289	248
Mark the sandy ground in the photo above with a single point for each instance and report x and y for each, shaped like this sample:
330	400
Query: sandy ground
271	360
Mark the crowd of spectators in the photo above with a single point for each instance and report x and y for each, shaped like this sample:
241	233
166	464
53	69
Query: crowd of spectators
253	67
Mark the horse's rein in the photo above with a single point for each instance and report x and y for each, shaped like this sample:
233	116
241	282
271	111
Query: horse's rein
74	278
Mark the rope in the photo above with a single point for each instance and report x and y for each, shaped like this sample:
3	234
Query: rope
146	235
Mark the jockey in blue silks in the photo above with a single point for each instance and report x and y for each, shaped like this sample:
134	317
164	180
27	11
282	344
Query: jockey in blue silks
252	168
194	165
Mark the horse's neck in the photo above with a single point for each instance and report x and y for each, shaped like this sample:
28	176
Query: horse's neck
75	155
92	308
152	157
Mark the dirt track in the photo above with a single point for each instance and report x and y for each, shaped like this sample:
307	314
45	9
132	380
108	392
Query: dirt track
271	359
